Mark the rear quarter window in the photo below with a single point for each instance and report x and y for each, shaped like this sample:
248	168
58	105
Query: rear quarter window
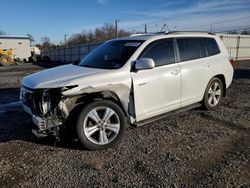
211	46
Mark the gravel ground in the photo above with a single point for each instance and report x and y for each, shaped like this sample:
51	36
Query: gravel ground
196	148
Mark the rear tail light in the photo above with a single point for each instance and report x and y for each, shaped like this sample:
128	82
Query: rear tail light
232	61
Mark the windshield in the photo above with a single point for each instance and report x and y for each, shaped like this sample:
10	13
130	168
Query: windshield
111	55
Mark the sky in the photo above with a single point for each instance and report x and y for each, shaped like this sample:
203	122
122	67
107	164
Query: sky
55	18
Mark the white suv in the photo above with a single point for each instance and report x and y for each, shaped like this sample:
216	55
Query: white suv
132	80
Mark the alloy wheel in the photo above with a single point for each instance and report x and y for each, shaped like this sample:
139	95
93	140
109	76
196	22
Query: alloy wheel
214	94
101	125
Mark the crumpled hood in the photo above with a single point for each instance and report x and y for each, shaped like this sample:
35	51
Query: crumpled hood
58	76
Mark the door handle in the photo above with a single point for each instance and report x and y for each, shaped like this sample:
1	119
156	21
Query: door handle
142	84
176	71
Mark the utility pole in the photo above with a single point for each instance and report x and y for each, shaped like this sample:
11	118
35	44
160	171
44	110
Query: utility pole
65	38
211	28
116	27
145	28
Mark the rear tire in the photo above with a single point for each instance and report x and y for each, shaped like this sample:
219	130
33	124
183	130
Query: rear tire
100	125
213	94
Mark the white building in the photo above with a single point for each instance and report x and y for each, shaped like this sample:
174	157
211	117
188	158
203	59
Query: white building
20	45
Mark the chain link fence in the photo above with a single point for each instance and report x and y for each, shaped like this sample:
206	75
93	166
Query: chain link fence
70	53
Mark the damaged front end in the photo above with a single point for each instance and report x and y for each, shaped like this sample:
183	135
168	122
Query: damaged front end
47	108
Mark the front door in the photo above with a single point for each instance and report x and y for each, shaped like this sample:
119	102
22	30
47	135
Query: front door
157	90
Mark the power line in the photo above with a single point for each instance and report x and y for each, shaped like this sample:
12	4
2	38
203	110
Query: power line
215	23
237	27
240	29
236	19
149	24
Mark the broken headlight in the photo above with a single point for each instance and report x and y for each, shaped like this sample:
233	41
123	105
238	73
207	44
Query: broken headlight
46	102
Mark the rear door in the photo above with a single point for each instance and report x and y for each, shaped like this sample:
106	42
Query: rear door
213	52
196	69
157	90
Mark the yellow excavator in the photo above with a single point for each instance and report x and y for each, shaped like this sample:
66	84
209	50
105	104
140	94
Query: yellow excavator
6	57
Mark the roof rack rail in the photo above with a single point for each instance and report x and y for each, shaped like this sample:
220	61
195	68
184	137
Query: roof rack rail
147	34
187	32
138	34
171	32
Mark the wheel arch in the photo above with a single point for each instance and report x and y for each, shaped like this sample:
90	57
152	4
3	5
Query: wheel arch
84	99
97	142
223	80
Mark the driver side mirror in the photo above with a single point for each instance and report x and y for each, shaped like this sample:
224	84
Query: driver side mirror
144	63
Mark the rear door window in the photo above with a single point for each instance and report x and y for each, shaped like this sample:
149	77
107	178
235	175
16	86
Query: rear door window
162	52
188	48
211	46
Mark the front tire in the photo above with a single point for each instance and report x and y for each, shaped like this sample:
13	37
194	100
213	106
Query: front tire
101	124
213	94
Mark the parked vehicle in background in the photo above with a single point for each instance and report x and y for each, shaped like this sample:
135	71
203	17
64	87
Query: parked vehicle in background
132	80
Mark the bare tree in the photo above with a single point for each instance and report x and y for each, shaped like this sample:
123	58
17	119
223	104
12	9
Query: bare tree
232	32
45	39
246	32
45	43
100	34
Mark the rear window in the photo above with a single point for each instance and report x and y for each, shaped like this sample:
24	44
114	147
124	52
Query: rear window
188	48
211	46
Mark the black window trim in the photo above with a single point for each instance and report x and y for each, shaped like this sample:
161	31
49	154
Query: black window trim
201	38
159	41
177	50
